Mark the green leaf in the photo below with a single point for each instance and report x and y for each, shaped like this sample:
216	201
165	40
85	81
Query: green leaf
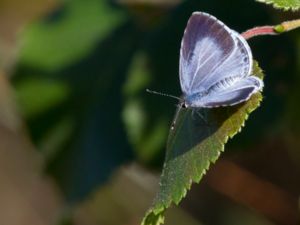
283	4
195	143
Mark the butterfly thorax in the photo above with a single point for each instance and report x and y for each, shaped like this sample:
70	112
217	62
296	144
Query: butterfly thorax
190	99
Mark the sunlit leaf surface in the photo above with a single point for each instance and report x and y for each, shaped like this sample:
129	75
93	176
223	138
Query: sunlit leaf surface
195	143
283	4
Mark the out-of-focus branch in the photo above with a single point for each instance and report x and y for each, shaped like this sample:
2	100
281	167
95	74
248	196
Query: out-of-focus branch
251	191
27	196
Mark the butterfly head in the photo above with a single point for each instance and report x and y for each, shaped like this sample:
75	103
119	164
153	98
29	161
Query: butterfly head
184	104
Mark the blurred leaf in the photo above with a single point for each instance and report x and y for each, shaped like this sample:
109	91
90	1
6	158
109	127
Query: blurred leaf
98	143
85	46
283	4
54	140
33	197
68	34
147	141
39	95
147	144
14	14
192	146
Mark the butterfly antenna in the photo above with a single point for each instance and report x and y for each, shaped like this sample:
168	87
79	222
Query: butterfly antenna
163	94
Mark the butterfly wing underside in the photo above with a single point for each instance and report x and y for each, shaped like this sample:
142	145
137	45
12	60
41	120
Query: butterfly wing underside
210	53
239	92
206	43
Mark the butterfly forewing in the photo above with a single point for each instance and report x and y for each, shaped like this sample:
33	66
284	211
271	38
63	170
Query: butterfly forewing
238	64
206	44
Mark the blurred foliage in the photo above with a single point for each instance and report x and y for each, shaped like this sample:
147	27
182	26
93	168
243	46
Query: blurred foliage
52	93
71	32
80	77
146	141
79	93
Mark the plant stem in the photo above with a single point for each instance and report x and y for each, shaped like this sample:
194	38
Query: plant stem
257	31
271	30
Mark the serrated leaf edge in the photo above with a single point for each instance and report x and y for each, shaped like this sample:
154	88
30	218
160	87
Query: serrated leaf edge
278	6
158	211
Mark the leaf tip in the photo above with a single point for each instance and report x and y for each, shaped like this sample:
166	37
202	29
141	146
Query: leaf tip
151	218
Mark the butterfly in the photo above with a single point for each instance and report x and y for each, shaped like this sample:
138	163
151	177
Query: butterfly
215	66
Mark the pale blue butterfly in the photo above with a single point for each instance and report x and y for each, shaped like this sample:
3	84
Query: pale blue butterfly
215	65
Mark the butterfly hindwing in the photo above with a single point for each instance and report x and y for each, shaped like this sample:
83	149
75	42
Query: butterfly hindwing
222	94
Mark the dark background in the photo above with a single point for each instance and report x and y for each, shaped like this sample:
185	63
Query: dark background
81	140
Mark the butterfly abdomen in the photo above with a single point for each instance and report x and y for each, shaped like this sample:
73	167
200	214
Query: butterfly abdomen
217	87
